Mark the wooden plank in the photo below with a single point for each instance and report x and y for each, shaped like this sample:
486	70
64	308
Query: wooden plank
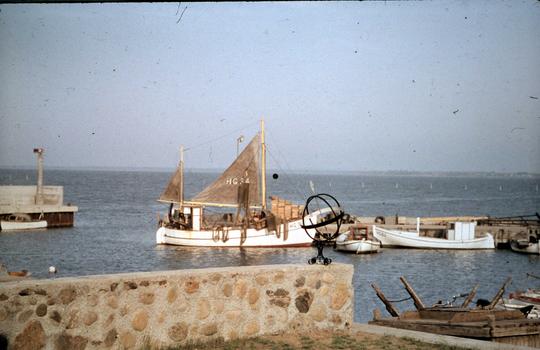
417	301
483	315
389	306
470	297
499	294
475	331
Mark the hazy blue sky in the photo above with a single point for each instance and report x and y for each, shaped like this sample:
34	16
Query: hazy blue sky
428	86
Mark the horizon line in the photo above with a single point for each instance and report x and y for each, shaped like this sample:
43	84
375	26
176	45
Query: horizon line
293	171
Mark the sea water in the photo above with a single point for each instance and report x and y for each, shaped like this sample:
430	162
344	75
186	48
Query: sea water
118	213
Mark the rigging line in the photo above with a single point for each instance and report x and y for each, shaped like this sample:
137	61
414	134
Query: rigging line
288	170
286	175
220	137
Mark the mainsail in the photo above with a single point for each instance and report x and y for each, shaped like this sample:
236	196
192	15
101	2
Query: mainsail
173	191
244	171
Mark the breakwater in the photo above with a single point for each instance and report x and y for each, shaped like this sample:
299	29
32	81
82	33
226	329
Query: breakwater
174	307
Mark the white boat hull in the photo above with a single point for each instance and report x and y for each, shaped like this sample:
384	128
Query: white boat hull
22	225
532	248
395	238
296	237
358	247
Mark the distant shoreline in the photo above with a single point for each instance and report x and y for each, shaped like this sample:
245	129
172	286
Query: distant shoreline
400	173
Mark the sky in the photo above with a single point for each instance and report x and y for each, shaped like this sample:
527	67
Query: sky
342	86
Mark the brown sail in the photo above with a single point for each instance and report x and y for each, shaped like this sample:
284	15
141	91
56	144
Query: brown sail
173	191
244	170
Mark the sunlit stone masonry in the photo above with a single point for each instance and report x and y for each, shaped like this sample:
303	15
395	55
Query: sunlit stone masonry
174	307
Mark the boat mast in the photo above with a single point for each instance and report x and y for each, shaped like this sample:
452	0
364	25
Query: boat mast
263	167
182	177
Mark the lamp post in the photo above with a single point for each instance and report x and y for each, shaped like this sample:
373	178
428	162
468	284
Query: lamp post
39	188
238	141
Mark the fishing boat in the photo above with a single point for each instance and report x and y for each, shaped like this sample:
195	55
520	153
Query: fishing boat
530	246
356	240
17	222
242	189
461	236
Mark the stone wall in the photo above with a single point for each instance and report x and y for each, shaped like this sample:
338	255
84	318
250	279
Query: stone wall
174	307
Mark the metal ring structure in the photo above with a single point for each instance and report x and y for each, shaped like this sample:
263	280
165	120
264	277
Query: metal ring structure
337	218
321	237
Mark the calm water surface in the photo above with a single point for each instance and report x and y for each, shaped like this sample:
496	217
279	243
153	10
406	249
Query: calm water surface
116	223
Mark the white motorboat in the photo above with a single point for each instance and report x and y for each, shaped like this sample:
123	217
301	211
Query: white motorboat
521	299
357	241
461	237
242	189
17	222
530	246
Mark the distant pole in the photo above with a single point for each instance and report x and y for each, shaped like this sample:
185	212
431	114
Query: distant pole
182	177
263	163
238	141
39	190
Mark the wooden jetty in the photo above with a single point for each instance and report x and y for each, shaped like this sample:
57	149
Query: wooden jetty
483	322
503	229
38	202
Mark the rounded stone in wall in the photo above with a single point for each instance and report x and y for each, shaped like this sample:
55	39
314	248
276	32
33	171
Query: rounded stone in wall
41	310
25	316
209	329
328	278
110	338
55	316
191	286
203	309
67	295
171	295
303	301
140	320
215	278
178	331
146	298
93	300
89	318
219	306
128	340
112	301
3	313
279	277
339	296
233	315
32	337
227	290
251	328
261	280
253	295
240	288
318	312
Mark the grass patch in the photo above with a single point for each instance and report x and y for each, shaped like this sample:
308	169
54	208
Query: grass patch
315	341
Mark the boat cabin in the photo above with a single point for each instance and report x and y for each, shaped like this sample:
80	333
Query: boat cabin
461	231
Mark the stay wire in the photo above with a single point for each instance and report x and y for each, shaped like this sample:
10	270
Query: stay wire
220	137
286	171
287	176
